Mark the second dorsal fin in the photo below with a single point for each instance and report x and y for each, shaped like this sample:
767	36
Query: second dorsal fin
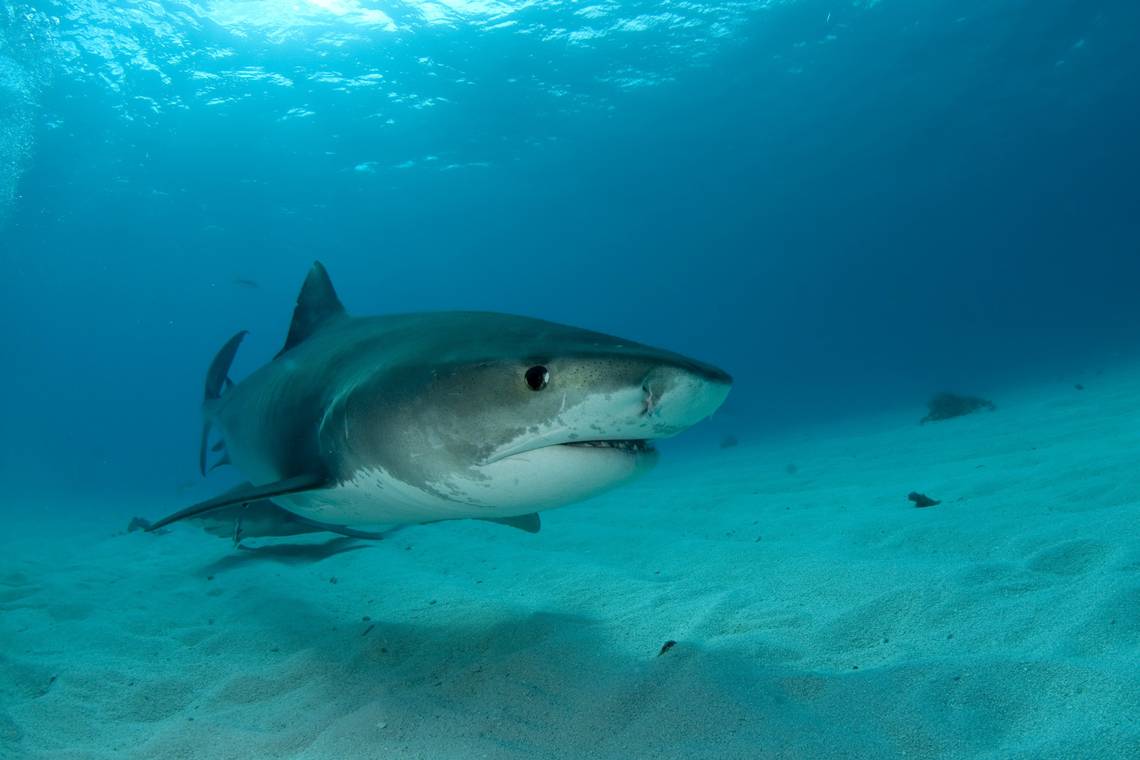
317	305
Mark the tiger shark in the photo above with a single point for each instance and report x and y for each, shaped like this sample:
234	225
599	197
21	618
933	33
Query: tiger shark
418	418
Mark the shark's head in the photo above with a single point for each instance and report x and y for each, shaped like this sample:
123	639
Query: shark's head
515	414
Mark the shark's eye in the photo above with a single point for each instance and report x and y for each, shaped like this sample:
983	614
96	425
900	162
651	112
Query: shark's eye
537	377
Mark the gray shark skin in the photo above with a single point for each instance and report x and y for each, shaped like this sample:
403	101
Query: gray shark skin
415	418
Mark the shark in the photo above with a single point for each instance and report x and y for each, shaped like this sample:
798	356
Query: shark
360	422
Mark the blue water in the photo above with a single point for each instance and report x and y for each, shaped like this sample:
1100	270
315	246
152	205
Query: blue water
849	205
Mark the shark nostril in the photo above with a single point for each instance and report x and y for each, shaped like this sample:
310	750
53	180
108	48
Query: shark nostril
650	399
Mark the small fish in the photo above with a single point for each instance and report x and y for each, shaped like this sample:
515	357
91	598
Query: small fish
242	282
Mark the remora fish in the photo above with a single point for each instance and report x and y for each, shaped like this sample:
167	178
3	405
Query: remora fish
264	519
417	418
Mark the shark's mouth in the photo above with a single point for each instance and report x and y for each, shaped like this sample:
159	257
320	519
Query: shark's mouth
634	445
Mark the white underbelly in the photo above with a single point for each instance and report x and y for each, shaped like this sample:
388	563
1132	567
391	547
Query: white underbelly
373	497
537	480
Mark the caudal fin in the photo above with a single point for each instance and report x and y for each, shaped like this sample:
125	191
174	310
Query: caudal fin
217	381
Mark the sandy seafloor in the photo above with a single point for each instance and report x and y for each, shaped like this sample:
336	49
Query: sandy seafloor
816	613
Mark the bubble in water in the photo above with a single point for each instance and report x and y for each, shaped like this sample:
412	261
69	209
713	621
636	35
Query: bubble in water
15	132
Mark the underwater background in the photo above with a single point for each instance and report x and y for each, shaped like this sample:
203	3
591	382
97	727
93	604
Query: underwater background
849	205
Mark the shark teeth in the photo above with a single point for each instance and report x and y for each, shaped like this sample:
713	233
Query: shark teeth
635	445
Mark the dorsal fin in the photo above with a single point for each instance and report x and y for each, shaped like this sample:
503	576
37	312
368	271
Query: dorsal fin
317	305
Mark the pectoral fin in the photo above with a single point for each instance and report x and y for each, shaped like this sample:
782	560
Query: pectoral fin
244	495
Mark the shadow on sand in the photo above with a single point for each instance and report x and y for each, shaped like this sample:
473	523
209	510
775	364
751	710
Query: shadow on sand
285	553
496	683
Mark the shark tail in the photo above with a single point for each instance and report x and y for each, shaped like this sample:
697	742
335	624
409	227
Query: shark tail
217	382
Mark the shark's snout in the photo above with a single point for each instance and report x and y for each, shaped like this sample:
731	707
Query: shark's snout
678	397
